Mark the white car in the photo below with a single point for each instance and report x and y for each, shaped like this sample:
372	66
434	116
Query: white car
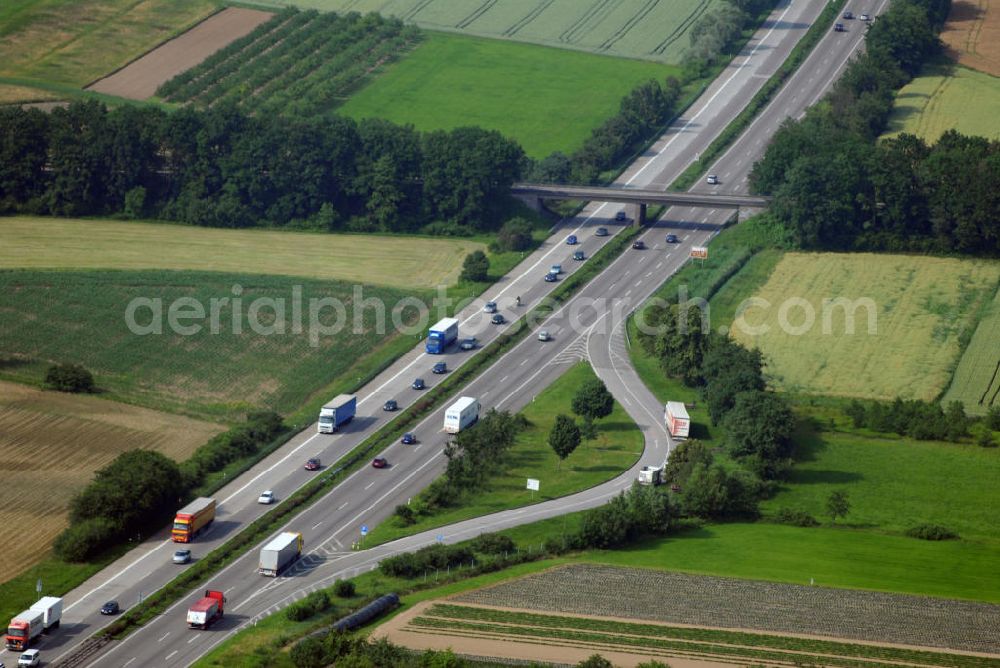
266	497
544	335
713	180
29	658
865	17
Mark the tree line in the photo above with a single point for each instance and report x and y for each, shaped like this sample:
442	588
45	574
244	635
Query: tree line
224	168
836	187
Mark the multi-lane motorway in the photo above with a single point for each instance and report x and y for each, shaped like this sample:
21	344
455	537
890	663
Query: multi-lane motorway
588	326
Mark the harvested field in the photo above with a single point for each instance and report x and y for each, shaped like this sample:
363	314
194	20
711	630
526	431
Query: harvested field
140	79
51	444
976	382
972	35
10	93
729	603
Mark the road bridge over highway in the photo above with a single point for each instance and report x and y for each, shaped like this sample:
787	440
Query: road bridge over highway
541	191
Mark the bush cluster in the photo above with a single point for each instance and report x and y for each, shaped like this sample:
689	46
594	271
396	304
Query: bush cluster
795	517
69	378
917	419
310	606
260	429
431	558
931	532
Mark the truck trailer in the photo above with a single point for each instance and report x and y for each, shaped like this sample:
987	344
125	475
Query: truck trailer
192	518
650	475
676	417
280	553
337	412
40	617
441	335
461	414
206	610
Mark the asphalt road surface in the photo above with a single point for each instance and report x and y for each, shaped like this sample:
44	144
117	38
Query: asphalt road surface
580	331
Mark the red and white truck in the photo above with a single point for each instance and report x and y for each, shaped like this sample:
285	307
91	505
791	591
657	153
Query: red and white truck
40	617
206	610
192	518
676	417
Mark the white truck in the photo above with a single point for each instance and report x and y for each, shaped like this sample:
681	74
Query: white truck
461	414
650	475
279	553
677	420
41	617
336	412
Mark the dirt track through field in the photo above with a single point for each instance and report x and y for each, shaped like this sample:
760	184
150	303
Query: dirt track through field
972	35
140	79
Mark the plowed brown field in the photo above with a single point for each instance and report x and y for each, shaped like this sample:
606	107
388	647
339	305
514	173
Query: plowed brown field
972	34
51	444
140	79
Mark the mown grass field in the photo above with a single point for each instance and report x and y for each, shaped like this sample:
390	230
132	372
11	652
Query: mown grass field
61	243
546	99
77	41
976	382
922	308
618	444
80	316
944	97
53	442
632	28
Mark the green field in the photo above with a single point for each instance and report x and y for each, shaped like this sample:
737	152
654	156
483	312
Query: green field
546	99
922	307
629	28
77	41
947	96
60	243
80	316
976	382
618	444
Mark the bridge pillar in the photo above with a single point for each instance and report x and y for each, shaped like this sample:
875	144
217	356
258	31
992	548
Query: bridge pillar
641	218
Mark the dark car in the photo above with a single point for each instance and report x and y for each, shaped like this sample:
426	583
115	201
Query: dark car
497	319
440	367
601	232
312	464
551	278
110	608
672	239
579	256
571	240
848	15
418	384
408	439
490	307
380	462
838	27
621	217
469	343
390	405
638	244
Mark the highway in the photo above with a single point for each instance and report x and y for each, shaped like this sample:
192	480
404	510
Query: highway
580	331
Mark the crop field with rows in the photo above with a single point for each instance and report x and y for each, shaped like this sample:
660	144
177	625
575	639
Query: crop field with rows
298	63
976	382
631	593
647	29
662	640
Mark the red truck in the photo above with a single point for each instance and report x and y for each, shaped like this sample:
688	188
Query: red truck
192	518
206	610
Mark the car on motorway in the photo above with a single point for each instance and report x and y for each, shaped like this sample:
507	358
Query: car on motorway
497	319
672	239
380	463
713	180
639	244
601	232
29	658
621	217
440	367
848	15
390	406
865	18
418	384
544	335
579	255
556	269
110	608
266	497
408	439
182	557
839	27
312	464
469	343
551	278
490	307
571	240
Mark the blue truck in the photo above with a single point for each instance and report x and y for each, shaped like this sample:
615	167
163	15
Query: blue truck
336	412
442	335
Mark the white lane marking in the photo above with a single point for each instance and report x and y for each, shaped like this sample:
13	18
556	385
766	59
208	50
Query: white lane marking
638	283
342	506
171	654
128	662
164	636
629	292
317	524
194	637
368	486
503	379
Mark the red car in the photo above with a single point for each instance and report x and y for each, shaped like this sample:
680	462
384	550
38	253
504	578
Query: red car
380	462
313	464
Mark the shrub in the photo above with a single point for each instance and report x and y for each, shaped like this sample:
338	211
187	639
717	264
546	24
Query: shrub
515	235
313	604
308	653
476	267
83	540
795	517
69	378
433	557
493	543
931	532
344	589
405	514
